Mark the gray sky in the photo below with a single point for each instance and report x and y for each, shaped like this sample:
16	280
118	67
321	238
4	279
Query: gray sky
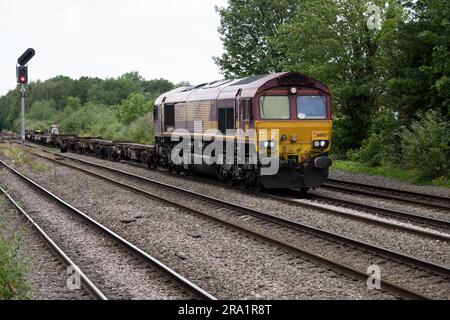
172	39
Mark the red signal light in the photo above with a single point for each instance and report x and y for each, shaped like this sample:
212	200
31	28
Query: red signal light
22	75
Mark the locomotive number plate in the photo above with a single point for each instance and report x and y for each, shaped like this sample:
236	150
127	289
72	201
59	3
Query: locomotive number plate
320	135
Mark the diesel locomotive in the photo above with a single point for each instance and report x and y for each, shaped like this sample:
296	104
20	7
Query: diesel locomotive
294	105
288	114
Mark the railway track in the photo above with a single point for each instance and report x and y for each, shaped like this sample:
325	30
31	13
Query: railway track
440	229
425	226
182	283
87	283
409	197
408	276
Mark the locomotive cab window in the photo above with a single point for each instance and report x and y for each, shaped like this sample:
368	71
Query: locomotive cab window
274	107
312	107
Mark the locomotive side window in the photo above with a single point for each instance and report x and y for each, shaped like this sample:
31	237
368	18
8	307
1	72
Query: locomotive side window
226	119
275	107
246	110
155	113
169	117
312	107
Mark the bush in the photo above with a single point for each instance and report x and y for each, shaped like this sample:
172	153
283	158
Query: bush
426	146
90	120
384	143
141	130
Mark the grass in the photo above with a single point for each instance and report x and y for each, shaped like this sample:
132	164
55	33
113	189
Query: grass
39	166
19	157
390	172
13	269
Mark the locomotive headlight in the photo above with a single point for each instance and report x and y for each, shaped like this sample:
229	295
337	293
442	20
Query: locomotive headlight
321	144
269	144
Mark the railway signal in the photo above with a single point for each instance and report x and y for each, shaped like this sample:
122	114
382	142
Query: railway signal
22	79
26	56
22	75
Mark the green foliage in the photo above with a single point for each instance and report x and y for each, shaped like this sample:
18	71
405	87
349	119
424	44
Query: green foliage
426	145
383	147
111	108
13	270
141	130
390	172
157	86
245	29
112	91
90	119
135	106
42	110
329	40
73	103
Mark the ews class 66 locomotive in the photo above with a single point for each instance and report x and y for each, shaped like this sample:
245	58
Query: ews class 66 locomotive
291	104
297	107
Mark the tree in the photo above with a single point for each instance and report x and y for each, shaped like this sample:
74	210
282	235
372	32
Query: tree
330	40
132	108
245	26
418	61
42	110
158	86
112	91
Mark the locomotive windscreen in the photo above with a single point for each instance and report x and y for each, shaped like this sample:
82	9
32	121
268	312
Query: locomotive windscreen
312	107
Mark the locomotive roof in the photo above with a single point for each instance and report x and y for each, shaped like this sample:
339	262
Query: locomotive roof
229	89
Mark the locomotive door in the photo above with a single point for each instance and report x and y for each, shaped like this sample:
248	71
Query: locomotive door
161	116
169	117
226	119
245	113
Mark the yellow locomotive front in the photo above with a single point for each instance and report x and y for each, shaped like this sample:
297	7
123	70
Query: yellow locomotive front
295	122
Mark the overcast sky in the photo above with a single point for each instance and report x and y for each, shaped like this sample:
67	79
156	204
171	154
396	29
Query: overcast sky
171	39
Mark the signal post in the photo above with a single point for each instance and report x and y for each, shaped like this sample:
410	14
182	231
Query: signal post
22	79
